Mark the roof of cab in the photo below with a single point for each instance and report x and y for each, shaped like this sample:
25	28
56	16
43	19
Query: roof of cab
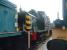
7	4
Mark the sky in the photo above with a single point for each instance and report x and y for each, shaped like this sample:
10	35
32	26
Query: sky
50	7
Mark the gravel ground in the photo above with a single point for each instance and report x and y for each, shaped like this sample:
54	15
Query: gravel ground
43	45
